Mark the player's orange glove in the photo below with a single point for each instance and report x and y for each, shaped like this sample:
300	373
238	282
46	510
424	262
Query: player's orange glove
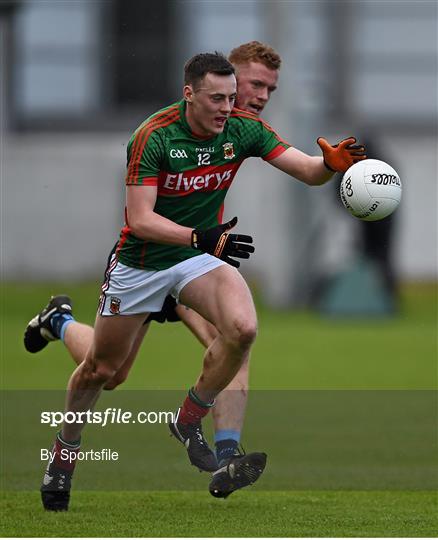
341	156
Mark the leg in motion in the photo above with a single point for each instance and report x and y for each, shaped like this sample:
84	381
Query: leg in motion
223	298
56	321
229	409
113	340
229	414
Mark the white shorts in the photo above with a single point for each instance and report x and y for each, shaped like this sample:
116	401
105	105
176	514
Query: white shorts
129	291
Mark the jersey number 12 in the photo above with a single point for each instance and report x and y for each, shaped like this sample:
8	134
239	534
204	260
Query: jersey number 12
203	159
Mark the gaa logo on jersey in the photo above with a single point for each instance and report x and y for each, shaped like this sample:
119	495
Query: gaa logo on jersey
115	305
228	150
175	153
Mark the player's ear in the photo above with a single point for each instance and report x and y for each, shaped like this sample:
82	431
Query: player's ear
188	93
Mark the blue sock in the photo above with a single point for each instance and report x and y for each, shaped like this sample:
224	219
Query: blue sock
226	442
59	323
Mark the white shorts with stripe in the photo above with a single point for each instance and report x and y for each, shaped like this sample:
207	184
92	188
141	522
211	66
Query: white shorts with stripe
129	291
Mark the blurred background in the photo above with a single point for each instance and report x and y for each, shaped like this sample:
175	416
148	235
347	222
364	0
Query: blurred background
77	77
347	309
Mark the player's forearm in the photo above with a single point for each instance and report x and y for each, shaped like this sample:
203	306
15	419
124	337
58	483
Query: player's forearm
155	228
316	173
308	169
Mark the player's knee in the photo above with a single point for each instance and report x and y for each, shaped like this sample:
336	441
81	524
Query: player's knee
96	373
116	381
104	373
244	333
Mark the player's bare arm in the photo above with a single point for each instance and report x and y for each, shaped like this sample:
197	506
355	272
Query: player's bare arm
146	224
308	169
316	170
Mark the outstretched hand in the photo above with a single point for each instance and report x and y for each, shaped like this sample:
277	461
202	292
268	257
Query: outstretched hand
341	156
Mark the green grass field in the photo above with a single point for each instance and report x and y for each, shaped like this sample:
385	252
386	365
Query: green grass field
295	352
247	514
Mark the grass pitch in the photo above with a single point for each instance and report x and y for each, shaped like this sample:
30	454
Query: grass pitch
244	514
294	351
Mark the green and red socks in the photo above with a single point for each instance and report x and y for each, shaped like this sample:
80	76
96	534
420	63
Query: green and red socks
193	409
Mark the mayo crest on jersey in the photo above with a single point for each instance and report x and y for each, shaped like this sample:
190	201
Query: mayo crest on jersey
192	175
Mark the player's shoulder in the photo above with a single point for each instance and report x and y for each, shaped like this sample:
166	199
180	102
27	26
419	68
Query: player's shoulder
164	116
160	120
247	120
239	115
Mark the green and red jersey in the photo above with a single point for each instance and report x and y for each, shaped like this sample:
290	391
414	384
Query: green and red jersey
192	175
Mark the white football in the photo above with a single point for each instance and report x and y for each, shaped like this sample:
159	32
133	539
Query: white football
371	190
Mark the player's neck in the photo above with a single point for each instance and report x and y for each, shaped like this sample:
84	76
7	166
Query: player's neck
195	127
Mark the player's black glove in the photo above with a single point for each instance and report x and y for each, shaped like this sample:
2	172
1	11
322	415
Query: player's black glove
222	244
341	156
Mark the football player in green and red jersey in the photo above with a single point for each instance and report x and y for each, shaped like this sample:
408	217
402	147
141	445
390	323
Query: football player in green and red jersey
257	71
181	162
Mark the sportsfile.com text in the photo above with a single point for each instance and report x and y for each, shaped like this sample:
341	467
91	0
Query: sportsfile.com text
110	416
